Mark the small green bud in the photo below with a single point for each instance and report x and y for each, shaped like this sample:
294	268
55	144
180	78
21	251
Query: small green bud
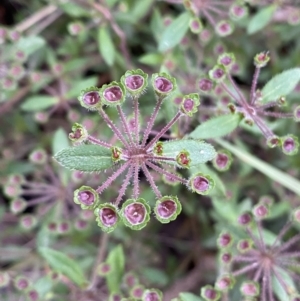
261	59
79	133
189	104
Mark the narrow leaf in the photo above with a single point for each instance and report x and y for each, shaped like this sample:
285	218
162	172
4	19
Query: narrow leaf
217	127
64	264
151	59
199	151
261	19
60	141
106	46
85	158
273	173
140	9
174	32
281	84
38	103
116	261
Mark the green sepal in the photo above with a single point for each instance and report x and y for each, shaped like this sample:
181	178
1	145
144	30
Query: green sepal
209	179
196	102
79	133
165	220
273	141
261	59
100	223
93	107
146	219
172	80
108	102
90	190
138	72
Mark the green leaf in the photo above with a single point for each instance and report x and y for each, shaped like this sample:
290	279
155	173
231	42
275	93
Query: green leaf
61	263
30	44
85	158
281	85
277	286
217	127
155	276
116	260
60	141
38	103
174	32
140	9
77	87
199	151
189	297
74	10
151	59
261	19
273	173
106	46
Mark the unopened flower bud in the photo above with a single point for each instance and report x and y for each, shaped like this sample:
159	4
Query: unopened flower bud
250	289
113	94
196	25
223	160
217	74
244	245
135	213
137	292
21	283
107	217
225	283
32	295
130	280
17	72
261	59
205	36
4	279
163	84
8	84
238	11
225	240
90	98
63	227
38	156
224	28
189	104
297	114
80	224
75	28
41	117
86	197
116	154
28	221
14	35
296	215
205	85
289	145
103	269
17	205
79	133
266	200
226	258
152	295
183	159
227	60
209	293
12	191
135	81
167	209
273	141
201	184
245	219
260	211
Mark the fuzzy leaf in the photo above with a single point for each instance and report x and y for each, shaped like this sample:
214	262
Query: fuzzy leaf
217	127
261	19
106	46
38	103
30	44
60	141
116	261
85	158
151	59
281	85
61	263
174	32
200	151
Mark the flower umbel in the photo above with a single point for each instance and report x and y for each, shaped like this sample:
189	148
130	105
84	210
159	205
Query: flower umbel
135	151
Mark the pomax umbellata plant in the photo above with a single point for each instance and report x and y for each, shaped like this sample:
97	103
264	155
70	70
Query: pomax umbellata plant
136	151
